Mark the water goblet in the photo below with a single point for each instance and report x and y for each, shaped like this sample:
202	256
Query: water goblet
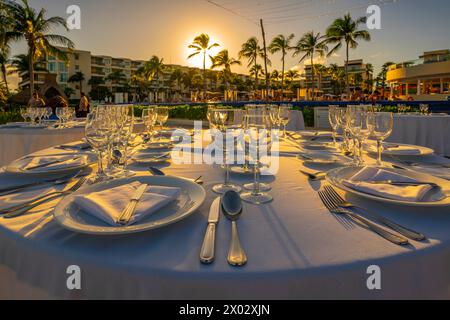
380	125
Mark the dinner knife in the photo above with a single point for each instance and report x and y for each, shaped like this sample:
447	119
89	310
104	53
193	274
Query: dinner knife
207	253
51	163
129	211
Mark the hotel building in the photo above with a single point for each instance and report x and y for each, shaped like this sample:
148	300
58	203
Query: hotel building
357	73
97	68
426	79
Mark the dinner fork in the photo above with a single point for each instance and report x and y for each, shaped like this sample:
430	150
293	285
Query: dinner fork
333	208
24	208
318	176
340	202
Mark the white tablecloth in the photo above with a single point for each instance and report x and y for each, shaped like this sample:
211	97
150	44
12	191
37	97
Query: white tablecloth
296	250
15	143
296	123
428	131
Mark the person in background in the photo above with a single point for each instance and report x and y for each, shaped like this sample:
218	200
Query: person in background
36	101
83	107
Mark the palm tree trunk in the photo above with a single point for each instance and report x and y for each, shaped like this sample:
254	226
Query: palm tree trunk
81	87
256	76
5	78
31	70
346	72
312	77
282	79
204	74
265	57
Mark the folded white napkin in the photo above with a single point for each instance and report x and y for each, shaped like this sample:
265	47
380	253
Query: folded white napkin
66	161
26	195
108	205
361	182
312	134
79	145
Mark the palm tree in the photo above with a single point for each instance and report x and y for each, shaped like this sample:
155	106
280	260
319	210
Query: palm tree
281	44
224	61
291	76
275	76
251	50
77	77
201	45
369	76
255	71
5	42
4	54
346	30
177	75
68	92
309	45
20	64
34	27
321	71
152	70
381	78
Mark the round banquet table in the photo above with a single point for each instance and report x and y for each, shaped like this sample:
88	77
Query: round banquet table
296	250
427	131
18	142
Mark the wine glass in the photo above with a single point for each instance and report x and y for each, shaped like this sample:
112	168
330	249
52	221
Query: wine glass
342	120
223	120
380	125
424	109
149	117
284	116
122	133
258	142
332	117
60	114
24	113
360	131
97	134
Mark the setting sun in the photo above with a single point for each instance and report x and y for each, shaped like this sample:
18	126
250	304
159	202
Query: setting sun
197	61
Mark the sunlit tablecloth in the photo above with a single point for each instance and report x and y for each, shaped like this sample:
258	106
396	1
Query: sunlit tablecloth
296	250
428	131
15	143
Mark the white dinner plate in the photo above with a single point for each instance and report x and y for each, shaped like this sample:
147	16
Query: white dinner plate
315	134
337	176
151	157
371	147
17	165
322	158
70	216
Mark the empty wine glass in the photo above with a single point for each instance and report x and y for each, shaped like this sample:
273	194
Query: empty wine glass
149	117
342	119
223	120
24	113
97	134
380	125
332	117
258	142
285	112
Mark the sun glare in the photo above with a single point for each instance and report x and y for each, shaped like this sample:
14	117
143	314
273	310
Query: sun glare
197	61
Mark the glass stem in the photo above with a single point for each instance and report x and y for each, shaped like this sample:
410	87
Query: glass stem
256	190
379	145
334	138
100	163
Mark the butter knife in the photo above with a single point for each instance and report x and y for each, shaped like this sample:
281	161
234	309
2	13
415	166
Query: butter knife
207	253
129	211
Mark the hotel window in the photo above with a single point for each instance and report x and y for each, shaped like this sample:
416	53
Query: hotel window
52	67
77	56
62	67
77	67
63	77
51	58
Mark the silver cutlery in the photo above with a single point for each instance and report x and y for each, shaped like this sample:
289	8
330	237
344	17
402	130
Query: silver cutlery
24	208
157	172
404	183
317	176
51	163
335	209
207	253
232	209
339	201
52	182
130	209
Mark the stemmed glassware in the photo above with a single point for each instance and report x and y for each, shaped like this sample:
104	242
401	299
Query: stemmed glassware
424	109
332	117
98	133
121	135
223	120
380	125
360	130
149	117
162	116
258	142
342	120
284	116
24	113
